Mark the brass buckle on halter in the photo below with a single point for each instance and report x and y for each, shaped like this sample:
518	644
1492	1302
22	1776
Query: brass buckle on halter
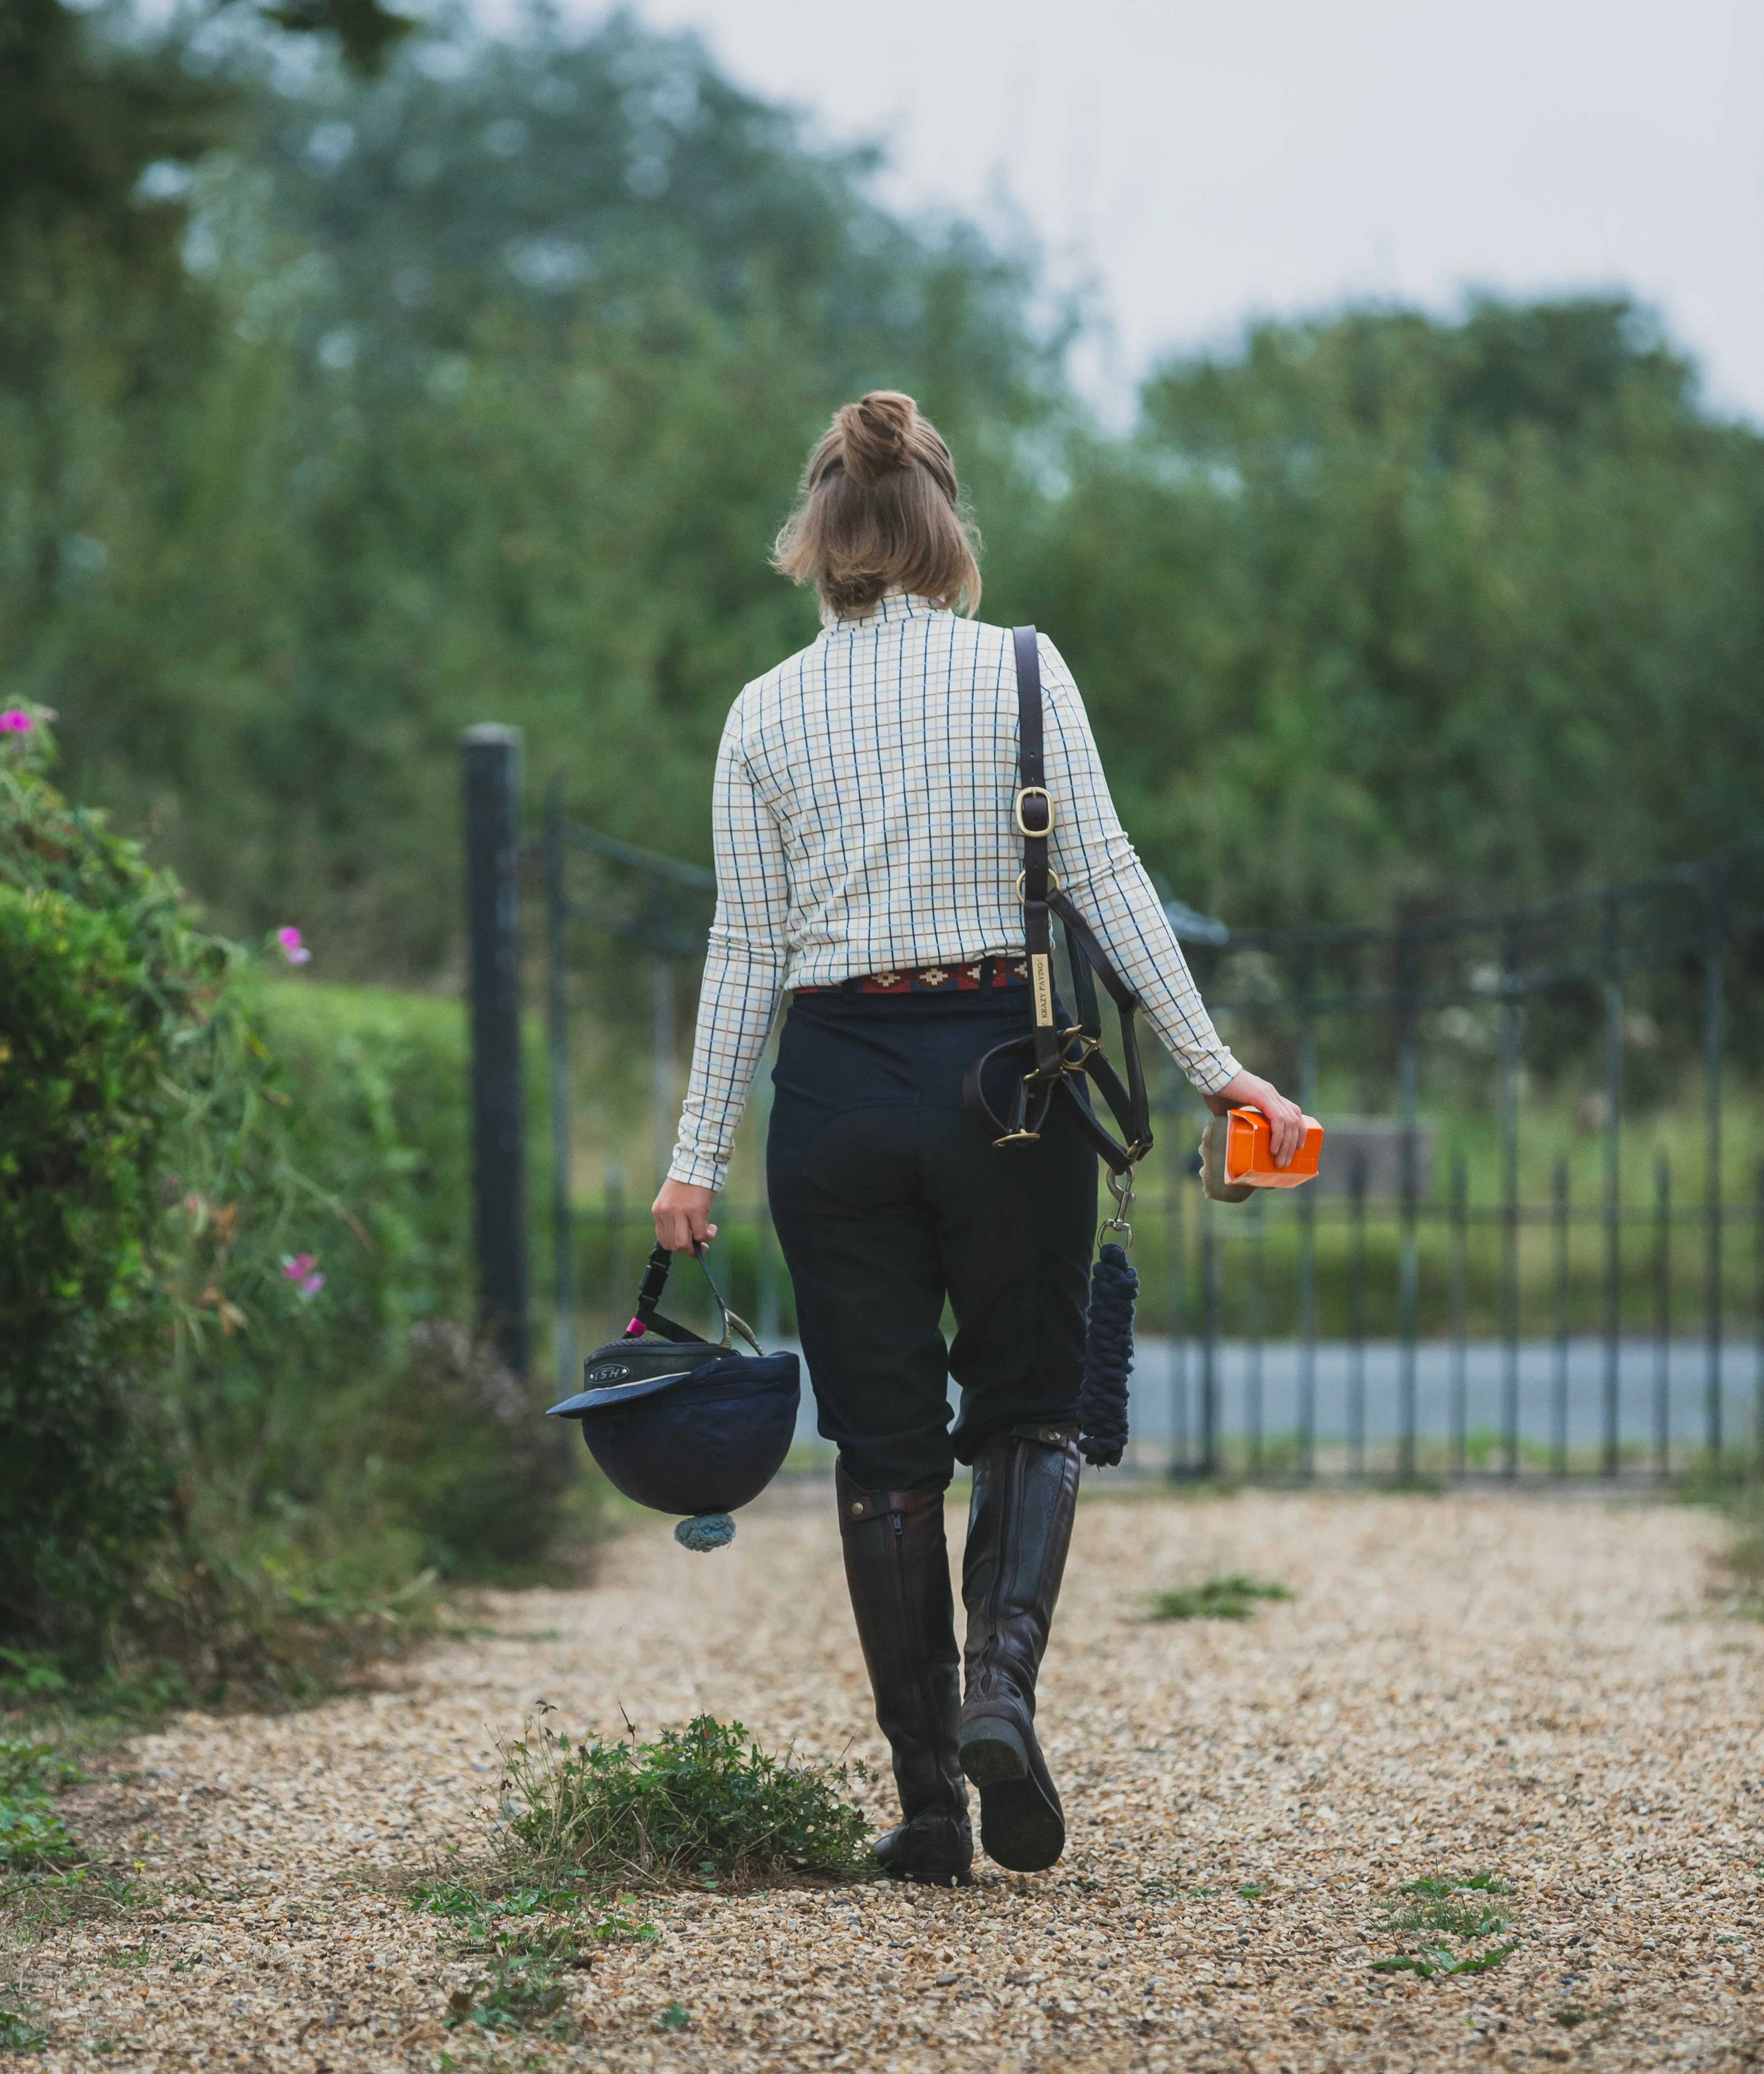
1033	792
1053	884
1089	1048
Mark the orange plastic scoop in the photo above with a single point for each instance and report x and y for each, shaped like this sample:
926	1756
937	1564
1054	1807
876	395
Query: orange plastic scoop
1250	1155
1237	1155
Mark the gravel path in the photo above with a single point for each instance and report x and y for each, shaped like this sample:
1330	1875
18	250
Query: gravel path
1539	1686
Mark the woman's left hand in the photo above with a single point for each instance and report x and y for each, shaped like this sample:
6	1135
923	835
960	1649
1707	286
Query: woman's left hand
1286	1119
682	1215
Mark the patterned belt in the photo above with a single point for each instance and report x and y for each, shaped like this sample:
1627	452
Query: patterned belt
982	977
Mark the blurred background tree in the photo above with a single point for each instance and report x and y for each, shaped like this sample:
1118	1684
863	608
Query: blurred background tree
1386	616
358	383
339	408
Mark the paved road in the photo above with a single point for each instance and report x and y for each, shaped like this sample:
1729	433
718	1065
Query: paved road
1166	1391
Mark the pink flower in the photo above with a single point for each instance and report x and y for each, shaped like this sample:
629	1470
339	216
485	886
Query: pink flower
292	948
15	720
302	1270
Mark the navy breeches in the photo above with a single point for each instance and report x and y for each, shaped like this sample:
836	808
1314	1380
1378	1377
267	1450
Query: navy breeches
890	1200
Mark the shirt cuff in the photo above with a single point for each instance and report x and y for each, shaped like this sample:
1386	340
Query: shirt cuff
697	1170
1217	1073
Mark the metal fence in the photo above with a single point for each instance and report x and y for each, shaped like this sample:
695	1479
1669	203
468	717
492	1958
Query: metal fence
1448	1300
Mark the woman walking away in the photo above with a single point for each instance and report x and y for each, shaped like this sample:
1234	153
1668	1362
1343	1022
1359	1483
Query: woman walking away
867	865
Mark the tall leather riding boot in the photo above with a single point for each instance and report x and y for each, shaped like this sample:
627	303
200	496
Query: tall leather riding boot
896	1566
1019	1525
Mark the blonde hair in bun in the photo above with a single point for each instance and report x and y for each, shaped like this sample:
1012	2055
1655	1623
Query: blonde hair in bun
879	510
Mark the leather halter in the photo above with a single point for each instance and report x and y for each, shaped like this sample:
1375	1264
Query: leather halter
1055	1057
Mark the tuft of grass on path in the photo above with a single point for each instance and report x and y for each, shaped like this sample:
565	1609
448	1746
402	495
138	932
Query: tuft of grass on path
1441	1910
703	1805
1232	1598
524	1944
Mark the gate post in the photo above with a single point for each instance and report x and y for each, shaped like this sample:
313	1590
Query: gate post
492	765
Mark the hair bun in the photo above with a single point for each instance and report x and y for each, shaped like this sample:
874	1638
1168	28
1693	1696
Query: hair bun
877	434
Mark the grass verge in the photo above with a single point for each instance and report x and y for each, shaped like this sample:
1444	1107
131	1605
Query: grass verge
1232	1598
33	1837
703	1805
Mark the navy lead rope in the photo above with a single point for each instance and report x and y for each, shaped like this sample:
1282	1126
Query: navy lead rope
1102	1394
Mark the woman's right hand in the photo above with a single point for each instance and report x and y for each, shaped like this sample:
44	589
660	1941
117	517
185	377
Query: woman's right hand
682	1215
1286	1119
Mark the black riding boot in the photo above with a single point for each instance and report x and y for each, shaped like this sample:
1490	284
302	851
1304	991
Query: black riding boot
896	1566
1026	1489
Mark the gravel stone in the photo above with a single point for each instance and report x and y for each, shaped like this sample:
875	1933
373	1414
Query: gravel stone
1539	1686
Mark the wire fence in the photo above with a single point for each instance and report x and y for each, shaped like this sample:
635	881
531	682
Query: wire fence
1480	1283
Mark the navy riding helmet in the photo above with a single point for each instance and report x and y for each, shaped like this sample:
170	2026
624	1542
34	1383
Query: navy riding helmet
680	1424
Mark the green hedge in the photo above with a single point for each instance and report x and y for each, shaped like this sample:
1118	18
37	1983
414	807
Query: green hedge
372	1401
102	987
218	1457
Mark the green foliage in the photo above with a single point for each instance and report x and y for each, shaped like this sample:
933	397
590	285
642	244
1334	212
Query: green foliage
1381	615
1444	1909
372	1402
471	430
702	1803
480	388
18	2033
89	102
1232	1598
33	1837
1434	1962
525	1941
244	1417
106	999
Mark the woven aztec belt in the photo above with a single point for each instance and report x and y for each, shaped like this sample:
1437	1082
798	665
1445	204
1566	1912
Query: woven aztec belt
982	977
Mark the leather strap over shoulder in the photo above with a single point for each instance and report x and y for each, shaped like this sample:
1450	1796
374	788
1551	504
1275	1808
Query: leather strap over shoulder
1056	1055
1033	811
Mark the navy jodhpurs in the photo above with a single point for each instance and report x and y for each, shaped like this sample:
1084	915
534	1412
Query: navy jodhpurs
889	1199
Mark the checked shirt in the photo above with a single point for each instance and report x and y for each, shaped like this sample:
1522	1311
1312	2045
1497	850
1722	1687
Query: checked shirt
862	825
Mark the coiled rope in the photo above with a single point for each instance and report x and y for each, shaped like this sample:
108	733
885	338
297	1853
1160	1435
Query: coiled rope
1102	1394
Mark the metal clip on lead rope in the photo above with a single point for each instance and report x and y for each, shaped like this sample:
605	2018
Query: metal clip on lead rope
1120	1188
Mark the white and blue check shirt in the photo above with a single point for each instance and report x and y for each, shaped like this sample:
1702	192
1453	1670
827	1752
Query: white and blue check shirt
863	824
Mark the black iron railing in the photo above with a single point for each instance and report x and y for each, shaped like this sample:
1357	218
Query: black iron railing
1419	1316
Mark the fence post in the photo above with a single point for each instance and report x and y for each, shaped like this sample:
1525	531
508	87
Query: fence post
1307	1227
1357	1327
1613	1173
492	760
1558	1409
1256	1322
1712	977
1409	1263
1176	1287
1662	1318
1757	1372
1511	987
557	1036
619	1285
1458	1416
662	983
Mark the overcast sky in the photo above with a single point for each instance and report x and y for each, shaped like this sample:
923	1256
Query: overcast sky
1201	162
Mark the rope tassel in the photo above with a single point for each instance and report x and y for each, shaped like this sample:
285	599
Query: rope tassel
1103	1395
